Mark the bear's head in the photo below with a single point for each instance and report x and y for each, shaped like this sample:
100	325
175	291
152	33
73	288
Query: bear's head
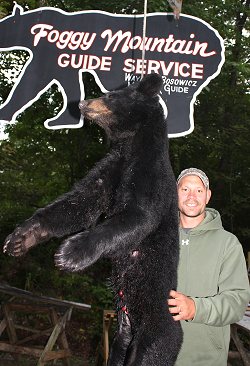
121	112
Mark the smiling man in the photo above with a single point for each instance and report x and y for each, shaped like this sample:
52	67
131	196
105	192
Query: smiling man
213	286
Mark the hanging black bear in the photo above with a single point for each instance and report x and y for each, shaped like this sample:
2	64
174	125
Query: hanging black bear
135	189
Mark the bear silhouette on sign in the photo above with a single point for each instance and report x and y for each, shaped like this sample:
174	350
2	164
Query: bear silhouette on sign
187	54
124	209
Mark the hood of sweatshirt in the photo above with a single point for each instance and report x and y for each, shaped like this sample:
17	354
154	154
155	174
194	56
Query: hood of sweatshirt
212	221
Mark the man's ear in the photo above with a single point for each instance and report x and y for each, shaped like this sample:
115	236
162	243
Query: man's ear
209	193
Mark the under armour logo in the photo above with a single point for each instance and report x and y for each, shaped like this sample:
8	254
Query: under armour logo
185	242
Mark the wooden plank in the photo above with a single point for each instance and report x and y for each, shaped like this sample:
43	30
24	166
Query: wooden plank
234	334
9	323
11	348
108	317
234	355
35	352
33	337
244	323
62	339
105	341
3	325
32	330
29	308
52	339
54	355
48	300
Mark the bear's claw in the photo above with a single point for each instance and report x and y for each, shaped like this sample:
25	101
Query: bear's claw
24	238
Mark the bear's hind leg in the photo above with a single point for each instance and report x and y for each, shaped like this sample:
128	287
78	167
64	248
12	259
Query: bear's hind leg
154	348
121	341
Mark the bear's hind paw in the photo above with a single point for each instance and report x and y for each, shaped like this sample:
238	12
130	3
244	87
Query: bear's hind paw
65	264
77	253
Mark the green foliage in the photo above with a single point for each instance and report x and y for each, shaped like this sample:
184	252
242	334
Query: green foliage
219	143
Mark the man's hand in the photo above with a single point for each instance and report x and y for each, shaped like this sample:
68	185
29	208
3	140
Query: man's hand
182	306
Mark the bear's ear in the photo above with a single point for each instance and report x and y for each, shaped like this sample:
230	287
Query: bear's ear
150	85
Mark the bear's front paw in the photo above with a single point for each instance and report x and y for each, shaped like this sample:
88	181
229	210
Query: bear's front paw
76	253
23	238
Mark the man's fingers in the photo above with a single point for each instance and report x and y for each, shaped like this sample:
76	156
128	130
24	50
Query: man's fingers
173	293
177	317
174	310
172	302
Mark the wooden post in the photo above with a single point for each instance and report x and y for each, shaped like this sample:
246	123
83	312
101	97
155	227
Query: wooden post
9	324
239	346
3	325
62	339
108	318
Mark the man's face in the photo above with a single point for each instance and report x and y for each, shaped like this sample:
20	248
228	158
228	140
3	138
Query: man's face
192	196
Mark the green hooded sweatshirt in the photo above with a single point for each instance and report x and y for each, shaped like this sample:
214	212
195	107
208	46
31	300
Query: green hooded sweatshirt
212	271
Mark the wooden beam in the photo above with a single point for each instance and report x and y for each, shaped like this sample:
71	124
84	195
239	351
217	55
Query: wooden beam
28	351
35	336
235	337
108	318
62	339
3	325
17	292
29	308
9	324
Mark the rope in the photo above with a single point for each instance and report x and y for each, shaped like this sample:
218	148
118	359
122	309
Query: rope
144	35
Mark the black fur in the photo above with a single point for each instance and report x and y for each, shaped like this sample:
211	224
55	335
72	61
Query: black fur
134	187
